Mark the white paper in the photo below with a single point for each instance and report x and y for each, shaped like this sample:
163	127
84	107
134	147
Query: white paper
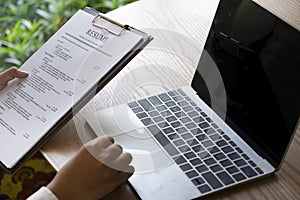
60	73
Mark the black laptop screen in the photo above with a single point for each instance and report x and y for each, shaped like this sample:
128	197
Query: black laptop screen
258	57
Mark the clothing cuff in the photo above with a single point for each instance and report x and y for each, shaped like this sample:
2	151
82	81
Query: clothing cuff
43	194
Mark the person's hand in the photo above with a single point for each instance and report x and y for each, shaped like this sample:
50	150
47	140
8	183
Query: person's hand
97	169
9	75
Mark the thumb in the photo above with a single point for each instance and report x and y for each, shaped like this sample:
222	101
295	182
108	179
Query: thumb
9	75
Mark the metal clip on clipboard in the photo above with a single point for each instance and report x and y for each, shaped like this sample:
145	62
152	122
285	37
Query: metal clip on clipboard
106	20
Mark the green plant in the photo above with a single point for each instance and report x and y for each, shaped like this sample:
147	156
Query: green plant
26	24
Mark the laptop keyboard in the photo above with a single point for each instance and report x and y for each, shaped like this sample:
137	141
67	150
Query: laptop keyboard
208	157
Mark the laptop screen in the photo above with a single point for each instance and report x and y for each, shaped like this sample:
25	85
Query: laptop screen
258	58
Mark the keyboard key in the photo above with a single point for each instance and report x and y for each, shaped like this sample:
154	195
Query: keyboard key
181	92
178	98
234	156
212	180
193	104
259	170
204	189
239	177
196	161
214	125
192	142
182	103
209	131
181	130
191	125
173	136
198	119
226	137
142	115
171	119
252	163
133	104
197	108
203	154
193	114
208	119
226	163
153	129
137	110
209	161
227	149
240	162
188	99
225	178
203	114
153	113
191	174
201	137
219	156
179	160
190	155
201	168
238	149
196	131
233	144
204	125
207	143
164	97
161	138
187	136
248	171
154	100
180	114
216	168
175	109
197	148
187	108
172	151
245	156
213	150
158	119
145	104
147	121
173	93
198	181
184	149
232	169
186	167
179	142
185	120
166	113
170	104
168	130
176	124
221	143
161	108
215	137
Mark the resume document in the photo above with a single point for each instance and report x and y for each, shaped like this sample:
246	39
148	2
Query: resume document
71	62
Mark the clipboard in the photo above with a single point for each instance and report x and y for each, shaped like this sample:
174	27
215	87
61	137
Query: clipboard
146	38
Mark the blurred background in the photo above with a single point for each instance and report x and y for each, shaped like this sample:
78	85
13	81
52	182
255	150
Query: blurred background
26	24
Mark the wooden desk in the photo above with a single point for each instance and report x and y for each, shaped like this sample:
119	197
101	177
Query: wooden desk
179	28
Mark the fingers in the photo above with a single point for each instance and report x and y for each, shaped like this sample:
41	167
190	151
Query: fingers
99	143
114	151
109	154
9	75
124	176
122	162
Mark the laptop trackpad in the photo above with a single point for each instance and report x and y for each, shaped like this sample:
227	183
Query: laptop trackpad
127	130
147	155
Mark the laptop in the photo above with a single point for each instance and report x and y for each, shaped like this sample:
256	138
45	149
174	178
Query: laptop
232	125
